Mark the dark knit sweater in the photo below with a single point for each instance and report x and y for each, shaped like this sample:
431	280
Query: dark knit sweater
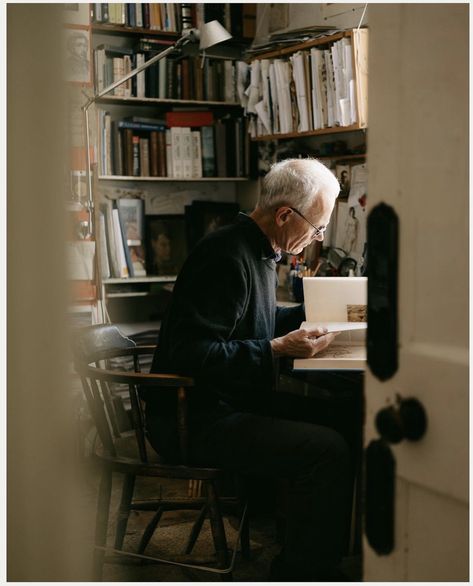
221	319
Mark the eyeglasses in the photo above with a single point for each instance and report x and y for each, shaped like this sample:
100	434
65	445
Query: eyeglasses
318	231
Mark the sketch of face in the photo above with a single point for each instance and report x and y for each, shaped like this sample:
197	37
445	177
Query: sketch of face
162	248
79	47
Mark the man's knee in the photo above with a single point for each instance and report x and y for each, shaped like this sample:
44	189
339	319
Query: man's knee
327	449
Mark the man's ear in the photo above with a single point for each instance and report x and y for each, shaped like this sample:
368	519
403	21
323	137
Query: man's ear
282	215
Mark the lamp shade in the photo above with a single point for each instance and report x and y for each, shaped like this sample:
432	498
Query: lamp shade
213	33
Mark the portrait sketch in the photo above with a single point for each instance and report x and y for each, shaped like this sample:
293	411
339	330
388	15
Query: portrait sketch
166	248
77	67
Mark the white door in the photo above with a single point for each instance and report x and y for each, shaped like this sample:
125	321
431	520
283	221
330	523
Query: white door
418	161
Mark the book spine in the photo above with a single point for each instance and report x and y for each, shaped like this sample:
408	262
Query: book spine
118	73
103	256
162	77
126	266
120	251
136	156
154	153
177	169
145	15
139	126
196	154
162	153
186	150
144	157
221	148
128	144
208	151
186	16
169	163
108	143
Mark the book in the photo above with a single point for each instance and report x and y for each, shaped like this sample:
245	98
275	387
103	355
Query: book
339	305
119	246
208	151
189	118
144	157
196	154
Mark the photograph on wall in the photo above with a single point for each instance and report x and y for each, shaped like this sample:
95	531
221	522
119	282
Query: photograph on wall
77	59
342	172
166	248
203	217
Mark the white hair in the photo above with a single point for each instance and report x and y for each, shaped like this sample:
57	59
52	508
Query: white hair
297	183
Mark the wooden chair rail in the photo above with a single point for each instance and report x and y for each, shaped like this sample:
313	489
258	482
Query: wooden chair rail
135	378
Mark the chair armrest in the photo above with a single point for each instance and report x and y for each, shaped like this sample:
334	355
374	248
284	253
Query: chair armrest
135	378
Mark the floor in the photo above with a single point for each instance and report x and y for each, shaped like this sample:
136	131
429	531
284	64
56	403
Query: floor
172	535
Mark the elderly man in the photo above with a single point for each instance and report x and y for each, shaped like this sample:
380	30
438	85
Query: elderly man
224	329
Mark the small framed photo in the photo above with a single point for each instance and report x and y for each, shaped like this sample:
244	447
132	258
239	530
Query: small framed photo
203	217
166	248
77	13
77	55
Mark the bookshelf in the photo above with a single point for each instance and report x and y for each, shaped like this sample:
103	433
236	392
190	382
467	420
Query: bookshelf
329	94
190	86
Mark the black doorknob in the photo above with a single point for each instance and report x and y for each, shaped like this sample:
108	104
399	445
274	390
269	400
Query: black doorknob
406	420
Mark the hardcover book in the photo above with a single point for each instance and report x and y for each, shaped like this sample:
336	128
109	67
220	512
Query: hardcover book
338	304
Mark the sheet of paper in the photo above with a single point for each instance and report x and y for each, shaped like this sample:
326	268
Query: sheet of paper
336	326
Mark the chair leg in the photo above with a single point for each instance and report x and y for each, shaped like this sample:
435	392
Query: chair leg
218	529
101	522
124	510
245	538
196	528
150	529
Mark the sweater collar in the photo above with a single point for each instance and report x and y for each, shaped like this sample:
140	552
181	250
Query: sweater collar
259	238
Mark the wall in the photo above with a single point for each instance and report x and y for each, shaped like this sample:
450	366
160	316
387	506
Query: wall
286	17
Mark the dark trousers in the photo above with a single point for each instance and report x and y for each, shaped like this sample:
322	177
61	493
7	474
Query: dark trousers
312	442
308	441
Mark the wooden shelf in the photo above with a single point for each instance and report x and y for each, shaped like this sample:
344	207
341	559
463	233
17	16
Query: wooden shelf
168	179
134	280
288	50
320	132
342	157
115	29
153	101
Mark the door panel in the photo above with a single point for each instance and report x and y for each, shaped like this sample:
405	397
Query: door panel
418	161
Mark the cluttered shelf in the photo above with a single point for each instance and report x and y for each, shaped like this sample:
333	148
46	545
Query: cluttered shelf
175	179
132	100
320	131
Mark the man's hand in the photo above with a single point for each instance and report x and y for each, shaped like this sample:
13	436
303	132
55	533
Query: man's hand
303	343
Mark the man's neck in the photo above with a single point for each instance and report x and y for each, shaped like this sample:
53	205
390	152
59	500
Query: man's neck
265	222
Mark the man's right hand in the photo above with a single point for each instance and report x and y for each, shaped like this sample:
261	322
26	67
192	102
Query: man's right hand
303	343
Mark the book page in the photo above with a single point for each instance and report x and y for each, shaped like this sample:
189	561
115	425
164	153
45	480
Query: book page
336	326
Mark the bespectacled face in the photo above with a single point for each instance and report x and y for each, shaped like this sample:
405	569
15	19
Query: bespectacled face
295	230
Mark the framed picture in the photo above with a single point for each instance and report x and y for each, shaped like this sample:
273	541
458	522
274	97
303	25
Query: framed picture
77	57
77	13
166	248
132	217
203	217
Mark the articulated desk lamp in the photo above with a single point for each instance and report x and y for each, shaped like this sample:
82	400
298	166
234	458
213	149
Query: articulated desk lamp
209	35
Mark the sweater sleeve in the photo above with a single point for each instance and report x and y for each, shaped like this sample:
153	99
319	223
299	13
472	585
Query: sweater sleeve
289	319
209	305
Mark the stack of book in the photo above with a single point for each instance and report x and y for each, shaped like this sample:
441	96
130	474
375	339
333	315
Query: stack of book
184	78
162	17
185	145
310	90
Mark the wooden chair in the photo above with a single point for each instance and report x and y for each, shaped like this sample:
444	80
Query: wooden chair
130	455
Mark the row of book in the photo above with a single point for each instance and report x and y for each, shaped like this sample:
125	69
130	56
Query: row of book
188	78
310	90
169	17
185	145
238	19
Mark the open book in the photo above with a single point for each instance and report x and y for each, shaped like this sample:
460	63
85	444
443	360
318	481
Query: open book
338	304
